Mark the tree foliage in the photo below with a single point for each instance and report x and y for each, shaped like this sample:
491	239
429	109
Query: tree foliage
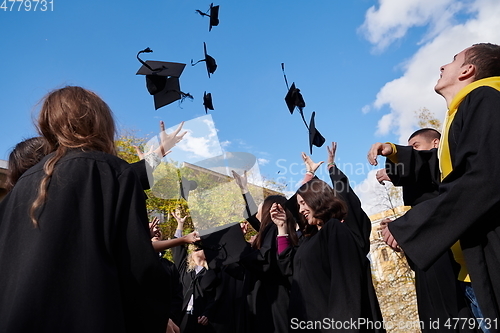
216	201
427	119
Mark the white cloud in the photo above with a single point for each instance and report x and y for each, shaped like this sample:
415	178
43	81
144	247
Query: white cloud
262	161
204	147
414	89
392	19
385	124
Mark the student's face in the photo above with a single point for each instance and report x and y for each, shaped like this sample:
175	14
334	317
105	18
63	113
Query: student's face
306	211
450	73
418	142
198	256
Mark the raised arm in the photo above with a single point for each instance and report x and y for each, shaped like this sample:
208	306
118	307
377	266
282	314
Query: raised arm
383	149
250	206
311	167
356	219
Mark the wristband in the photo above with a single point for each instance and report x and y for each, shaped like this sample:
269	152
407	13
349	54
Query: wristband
312	173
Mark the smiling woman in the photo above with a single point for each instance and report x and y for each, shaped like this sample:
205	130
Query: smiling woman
330	273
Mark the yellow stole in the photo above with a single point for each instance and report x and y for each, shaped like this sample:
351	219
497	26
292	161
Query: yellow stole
444	153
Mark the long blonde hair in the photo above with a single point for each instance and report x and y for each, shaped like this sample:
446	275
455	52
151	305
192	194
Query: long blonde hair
72	118
191	264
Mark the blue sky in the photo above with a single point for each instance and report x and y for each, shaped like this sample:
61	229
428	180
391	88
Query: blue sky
363	66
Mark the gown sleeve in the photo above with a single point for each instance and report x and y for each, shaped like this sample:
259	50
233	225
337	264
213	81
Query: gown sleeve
417	171
356	218
250	211
469	198
141	271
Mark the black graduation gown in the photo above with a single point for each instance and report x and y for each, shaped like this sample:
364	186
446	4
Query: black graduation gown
468	206
202	286
417	171
228	316
439	295
250	207
356	218
331	283
266	288
175	309
89	265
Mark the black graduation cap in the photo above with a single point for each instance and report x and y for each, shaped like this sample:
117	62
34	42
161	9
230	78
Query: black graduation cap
315	137
162	80
209	61
294	99
207	101
214	16
223	245
187	186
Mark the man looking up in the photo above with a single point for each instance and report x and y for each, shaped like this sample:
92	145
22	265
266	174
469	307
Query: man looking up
466	213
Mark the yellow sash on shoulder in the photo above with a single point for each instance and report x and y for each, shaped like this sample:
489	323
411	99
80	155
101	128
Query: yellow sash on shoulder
445	159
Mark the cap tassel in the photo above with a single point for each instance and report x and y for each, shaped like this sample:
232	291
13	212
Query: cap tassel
148	50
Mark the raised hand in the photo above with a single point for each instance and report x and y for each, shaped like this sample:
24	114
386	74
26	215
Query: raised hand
382	176
241	181
177	216
376	149
331	153
168	141
278	214
192	237
311	166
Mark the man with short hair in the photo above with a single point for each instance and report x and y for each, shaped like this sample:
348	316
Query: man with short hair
417	173
466	213
415	168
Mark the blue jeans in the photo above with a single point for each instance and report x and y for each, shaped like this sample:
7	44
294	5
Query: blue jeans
474	306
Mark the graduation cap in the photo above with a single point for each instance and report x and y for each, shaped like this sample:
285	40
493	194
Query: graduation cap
294	99
187	186
209	61
223	245
315	137
162	80
207	101
214	16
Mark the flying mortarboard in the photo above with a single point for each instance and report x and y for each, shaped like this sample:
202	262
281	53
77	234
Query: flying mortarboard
214	16
162	80
207	101
209	61
187	186
294	99
315	137
223	245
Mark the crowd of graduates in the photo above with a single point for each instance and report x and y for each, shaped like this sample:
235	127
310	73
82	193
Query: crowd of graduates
78	252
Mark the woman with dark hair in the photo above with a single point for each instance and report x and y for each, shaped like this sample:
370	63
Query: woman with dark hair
266	288
25	154
331	278
75	248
